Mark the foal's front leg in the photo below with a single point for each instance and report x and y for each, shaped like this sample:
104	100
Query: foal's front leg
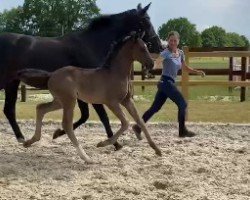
117	110
130	106
67	124
41	110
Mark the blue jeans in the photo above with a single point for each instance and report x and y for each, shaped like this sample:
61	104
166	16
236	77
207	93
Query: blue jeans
167	89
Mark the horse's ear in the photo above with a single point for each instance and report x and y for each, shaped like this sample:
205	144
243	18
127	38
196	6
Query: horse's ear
144	10
142	34
139	6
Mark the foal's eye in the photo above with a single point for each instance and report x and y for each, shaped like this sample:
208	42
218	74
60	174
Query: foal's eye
143	49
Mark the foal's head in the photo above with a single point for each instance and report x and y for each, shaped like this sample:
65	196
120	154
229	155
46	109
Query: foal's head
140	52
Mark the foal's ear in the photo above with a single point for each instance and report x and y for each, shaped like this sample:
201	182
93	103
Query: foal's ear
142	34
132	33
142	11
136	37
139	6
130	36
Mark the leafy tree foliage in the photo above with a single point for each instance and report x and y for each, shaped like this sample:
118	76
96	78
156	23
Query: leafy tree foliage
48	18
214	37
189	35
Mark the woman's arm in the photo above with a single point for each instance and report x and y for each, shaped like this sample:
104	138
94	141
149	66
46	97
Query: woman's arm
191	70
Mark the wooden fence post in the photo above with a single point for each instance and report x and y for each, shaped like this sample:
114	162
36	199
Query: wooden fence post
132	78
185	77
142	77
23	93
230	77
243	78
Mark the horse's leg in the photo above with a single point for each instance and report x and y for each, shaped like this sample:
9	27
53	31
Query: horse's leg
84	116
67	124
130	106
99	108
116	109
10	108
41	110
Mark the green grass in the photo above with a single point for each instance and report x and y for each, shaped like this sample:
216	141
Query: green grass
209	63
199	111
225	108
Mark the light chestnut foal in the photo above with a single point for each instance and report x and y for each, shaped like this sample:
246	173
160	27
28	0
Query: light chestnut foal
107	85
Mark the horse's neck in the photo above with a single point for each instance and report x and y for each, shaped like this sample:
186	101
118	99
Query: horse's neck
91	49
121	65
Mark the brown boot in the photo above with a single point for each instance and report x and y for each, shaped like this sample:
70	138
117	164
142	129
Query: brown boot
137	131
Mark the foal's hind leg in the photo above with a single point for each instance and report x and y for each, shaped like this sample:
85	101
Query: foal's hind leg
99	108
67	124
41	110
116	109
130	106
84	116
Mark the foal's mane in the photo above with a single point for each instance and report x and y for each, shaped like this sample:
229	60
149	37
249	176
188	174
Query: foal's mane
114	50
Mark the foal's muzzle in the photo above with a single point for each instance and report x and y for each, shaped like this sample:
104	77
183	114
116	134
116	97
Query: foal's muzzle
149	65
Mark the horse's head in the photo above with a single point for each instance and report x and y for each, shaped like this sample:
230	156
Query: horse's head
140	51
150	38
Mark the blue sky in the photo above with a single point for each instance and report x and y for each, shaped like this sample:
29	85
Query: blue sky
232	15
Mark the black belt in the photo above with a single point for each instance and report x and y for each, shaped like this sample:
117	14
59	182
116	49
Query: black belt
167	78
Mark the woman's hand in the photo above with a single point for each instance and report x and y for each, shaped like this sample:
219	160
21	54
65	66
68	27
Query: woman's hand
201	73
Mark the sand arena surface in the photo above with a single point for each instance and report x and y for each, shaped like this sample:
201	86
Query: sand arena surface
215	165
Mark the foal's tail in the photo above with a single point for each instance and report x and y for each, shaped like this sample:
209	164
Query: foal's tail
34	77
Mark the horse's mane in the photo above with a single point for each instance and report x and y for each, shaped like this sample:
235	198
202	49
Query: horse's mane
107	20
114	49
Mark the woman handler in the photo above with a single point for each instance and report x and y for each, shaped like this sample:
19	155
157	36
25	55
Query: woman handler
173	60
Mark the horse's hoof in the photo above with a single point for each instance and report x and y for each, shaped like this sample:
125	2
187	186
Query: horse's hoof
58	133
118	146
20	140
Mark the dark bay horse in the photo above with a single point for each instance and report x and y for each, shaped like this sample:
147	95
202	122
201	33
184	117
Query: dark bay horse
107	85
88	47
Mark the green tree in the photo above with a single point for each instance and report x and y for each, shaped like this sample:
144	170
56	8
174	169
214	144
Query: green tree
57	17
214	37
12	20
189	35
234	40
244	38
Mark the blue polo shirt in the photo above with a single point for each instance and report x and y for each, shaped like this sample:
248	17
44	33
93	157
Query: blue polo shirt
171	64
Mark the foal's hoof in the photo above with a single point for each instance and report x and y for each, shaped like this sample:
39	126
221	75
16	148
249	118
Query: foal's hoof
89	161
20	140
117	146
137	131
158	152
27	143
58	133
104	143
